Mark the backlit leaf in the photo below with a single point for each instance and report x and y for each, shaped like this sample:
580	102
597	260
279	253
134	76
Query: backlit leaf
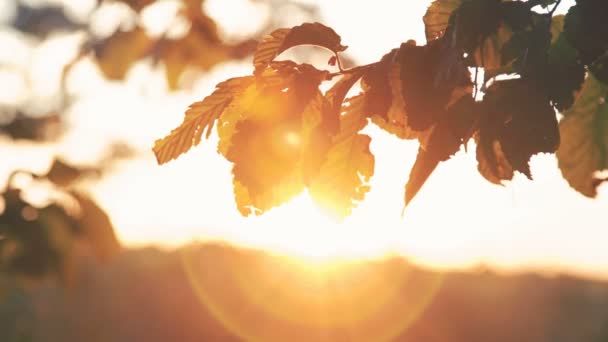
200	117
280	40
442	142
278	143
584	130
437	17
335	96
517	122
342	180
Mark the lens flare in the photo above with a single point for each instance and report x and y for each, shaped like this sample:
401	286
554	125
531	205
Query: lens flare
262	297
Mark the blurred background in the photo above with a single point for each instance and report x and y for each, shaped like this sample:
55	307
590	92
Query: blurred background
99	243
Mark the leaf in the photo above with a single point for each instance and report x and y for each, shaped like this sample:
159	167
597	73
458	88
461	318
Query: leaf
201	48
492	162
564	74
63	174
95	227
584	130
437	17
599	68
585	28
118	52
395	120
517	122
335	96
442	143
429	76
342	180
42	20
280	40
200	117
280	141
376	85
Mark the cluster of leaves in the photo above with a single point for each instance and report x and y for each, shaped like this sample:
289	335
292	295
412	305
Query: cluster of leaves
283	135
200	47
39	240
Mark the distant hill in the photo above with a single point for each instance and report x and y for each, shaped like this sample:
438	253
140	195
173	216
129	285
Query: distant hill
213	292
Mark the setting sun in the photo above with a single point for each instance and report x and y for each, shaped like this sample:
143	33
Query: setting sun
303	170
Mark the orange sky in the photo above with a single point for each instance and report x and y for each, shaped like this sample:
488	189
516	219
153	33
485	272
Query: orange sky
458	219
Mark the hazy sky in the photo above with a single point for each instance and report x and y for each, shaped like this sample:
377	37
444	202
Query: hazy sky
457	219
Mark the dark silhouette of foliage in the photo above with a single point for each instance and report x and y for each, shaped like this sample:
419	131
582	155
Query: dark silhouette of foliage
39	240
424	92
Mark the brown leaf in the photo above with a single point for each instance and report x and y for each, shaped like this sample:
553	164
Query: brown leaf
584	130
280	40
518	122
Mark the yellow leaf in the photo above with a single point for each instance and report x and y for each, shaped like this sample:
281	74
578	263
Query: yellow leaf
342	179
200	117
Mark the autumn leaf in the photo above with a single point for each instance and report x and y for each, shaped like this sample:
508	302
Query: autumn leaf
517	122
377	87
437	17
200	48
342	180
95	227
442	142
63	174
335	96
428	79
565	73
117	53
480	28
280	40
585	28
394	121
584	130
199	119
278	143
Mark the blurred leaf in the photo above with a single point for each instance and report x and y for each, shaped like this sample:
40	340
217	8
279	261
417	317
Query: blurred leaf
95	226
44	20
63	174
584	130
342	180
38	129
117	53
282	39
201	47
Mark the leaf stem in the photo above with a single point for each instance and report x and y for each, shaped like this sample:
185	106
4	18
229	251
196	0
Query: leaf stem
349	71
